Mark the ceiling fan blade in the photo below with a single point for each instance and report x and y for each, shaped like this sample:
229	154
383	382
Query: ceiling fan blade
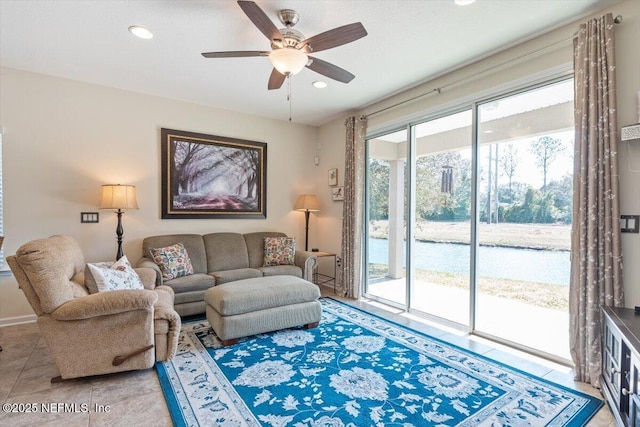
276	79
329	70
333	38
235	54
260	19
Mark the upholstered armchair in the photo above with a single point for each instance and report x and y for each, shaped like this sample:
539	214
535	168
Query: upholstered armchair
99	333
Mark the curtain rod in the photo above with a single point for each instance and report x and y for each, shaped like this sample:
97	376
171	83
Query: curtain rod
616	20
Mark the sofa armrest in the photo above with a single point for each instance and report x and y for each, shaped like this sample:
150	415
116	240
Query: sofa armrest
307	261
145	262
105	303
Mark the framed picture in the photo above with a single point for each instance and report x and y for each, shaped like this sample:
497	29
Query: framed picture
333	177
207	176
337	193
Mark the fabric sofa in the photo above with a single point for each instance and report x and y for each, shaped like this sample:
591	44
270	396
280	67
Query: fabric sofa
219	258
100	333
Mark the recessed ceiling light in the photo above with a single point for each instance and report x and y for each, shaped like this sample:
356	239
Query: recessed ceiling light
141	32
463	2
319	84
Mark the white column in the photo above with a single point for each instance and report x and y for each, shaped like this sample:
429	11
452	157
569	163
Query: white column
396	217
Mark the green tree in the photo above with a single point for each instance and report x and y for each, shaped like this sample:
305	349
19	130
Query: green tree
431	202
509	163
378	189
546	150
562	193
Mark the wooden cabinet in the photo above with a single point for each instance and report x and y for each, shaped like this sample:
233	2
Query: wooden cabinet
621	364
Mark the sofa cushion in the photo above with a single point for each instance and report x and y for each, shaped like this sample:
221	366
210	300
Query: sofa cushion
111	276
255	246
194	282
192	242
173	261
225	276
225	251
279	251
280	270
187	297
251	295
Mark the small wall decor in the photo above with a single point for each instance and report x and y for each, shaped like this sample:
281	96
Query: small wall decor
333	177
208	176
337	193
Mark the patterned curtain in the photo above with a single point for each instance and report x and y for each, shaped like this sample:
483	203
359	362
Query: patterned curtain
352	214
596	259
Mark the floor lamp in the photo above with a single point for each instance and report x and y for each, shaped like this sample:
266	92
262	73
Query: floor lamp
119	197
307	203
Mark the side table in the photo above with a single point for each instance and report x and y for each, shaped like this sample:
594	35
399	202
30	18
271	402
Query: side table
321	279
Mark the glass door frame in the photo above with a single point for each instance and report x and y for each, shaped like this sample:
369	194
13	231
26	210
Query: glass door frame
561	77
474	210
408	247
410	129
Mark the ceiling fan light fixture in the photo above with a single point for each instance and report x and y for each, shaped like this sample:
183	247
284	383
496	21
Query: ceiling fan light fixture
464	2
288	61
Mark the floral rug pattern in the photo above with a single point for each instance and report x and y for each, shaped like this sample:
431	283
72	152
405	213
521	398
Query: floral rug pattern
355	369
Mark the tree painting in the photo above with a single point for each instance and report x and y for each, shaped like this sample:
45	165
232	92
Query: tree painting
216	177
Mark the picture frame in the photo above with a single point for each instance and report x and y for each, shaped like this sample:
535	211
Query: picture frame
208	176
337	193
333	176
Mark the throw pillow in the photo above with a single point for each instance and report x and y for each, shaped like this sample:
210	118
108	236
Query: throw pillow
279	251
173	261
111	276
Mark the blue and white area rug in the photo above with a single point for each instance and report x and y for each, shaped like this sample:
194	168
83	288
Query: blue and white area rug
355	369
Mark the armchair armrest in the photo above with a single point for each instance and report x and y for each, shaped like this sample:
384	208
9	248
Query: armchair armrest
307	261
145	262
105	303
148	276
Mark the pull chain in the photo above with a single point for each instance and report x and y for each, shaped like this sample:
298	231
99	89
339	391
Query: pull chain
289	94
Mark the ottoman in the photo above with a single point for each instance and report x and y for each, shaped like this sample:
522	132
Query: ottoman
263	304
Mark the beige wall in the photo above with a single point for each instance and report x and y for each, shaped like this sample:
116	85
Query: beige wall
63	139
538	59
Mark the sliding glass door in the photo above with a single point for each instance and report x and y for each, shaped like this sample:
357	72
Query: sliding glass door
525	207
442	233
387	217
474	227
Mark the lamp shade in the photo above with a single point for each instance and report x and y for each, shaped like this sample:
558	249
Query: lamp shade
288	60
307	203
116	196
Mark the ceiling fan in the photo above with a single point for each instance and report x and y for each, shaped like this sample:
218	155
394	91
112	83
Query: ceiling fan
290	49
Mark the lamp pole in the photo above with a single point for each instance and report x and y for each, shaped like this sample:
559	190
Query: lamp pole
119	234
306	230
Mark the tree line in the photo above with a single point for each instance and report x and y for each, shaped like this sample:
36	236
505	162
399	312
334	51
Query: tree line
500	200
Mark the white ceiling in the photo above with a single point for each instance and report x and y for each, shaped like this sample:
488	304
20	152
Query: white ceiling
408	43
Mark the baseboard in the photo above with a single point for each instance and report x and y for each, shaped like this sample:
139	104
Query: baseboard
18	320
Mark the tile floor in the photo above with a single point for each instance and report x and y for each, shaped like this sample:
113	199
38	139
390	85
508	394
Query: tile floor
135	398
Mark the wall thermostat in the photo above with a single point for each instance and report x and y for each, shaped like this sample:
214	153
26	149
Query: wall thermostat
629	133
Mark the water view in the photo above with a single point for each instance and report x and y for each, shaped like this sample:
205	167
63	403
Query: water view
498	262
